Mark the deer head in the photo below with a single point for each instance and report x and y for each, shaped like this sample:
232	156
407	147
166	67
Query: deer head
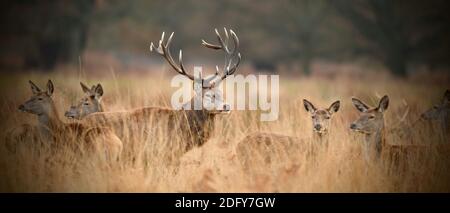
41	102
321	117
371	119
440	111
211	96
89	103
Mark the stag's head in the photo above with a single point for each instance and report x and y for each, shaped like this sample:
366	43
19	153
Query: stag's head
321	118
40	102
440	112
211	97
371	119
89	103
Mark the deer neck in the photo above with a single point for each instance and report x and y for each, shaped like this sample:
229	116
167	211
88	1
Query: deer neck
50	121
377	138
321	138
201	124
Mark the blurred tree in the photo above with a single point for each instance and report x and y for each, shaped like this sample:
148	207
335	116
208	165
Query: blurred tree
397	31
305	19
46	32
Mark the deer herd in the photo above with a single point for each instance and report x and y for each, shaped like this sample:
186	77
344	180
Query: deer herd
117	131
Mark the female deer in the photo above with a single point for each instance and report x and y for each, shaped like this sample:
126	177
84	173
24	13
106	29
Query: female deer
50	126
275	147
371	123
90	103
440	113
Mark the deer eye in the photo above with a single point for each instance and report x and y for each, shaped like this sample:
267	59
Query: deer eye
314	117
40	99
371	116
86	103
327	117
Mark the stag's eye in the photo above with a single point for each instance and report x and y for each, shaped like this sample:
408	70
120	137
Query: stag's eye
86	103
314	117
327	117
40	99
371	116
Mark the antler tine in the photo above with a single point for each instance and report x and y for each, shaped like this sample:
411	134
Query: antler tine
222	44
235	40
164	50
227	38
180	60
232	70
211	46
169	40
217	70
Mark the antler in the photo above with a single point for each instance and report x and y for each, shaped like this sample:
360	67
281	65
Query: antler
230	54
163	50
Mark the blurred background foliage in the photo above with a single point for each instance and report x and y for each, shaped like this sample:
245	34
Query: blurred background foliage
399	35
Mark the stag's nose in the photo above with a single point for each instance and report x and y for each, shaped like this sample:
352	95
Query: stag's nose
317	127
352	126
22	107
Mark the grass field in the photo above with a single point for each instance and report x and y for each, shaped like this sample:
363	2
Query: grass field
214	167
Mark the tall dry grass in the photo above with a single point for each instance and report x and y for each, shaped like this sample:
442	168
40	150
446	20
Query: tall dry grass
214	167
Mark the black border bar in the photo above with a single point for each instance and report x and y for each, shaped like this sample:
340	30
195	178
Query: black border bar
224	201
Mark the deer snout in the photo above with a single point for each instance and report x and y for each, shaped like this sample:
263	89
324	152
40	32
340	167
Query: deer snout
69	113
22	108
317	127
226	107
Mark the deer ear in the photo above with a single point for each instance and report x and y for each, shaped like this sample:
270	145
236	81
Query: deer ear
309	106
35	89
99	90
334	107
384	103
50	88
362	107
84	88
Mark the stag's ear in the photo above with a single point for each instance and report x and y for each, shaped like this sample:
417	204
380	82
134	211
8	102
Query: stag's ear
35	89
309	106
447	96
362	107
334	107
98	91
384	103
50	88
85	88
